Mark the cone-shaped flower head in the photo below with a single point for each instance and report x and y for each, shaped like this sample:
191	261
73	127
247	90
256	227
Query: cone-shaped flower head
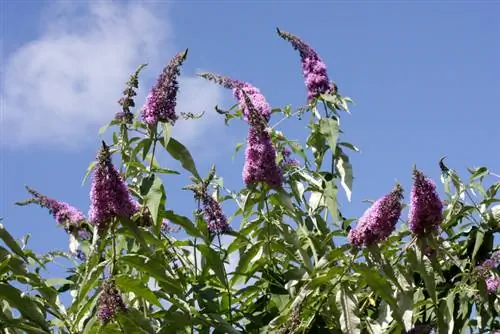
260	154
63	213
426	209
254	104
379	221
110	302
260	160
109	194
162	99
313	67
214	216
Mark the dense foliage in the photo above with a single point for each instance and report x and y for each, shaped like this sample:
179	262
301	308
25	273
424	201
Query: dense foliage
302	266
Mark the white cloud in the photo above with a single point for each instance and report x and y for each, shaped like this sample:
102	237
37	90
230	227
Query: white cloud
60	88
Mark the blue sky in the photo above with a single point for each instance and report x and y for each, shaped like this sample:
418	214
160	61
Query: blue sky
424	76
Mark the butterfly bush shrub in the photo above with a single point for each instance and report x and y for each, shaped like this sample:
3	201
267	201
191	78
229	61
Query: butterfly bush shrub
301	265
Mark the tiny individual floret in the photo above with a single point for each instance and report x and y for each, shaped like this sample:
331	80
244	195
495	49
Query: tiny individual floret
110	302
426	209
109	195
313	67
378	221
162	99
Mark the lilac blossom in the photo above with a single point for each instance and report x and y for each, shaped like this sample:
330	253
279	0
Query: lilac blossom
213	215
287	162
378	221
260	160
109	195
110	302
313	67
426	209
492	284
63	213
256	109
162	99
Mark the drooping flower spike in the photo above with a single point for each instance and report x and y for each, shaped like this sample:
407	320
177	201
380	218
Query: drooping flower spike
64	214
313	67
260	154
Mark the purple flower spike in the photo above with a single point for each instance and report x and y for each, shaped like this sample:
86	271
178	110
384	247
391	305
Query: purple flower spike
313	67
426	209
214	217
109	195
379	221
492	284
254	105
162	99
260	160
110	302
63	213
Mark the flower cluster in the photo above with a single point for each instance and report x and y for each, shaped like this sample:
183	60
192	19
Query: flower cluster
162	99
214	216
127	100
486	269
64	214
109	195
110	302
260	154
252	102
260	160
492	284
287	161
426	209
379	221
313	67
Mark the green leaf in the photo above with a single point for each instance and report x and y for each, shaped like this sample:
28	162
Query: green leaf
330	128
330	193
153	199
344	168
214	261
378	283
150	266
180	153
89	170
132	227
129	284
477	244
167	133
349	321
58	281
11	242
237	149
184	222
23	303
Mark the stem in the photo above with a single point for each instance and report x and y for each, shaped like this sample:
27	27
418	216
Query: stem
268	231
155	138
227	285
113	245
